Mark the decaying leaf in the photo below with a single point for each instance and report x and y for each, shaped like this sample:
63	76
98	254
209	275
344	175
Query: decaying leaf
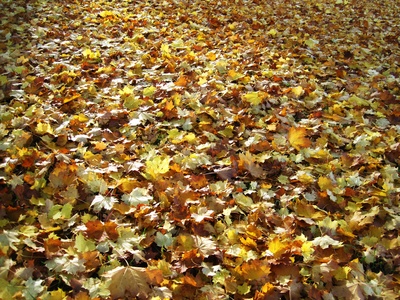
128	282
198	150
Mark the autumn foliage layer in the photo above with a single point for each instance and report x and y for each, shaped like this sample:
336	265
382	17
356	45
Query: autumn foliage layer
199	149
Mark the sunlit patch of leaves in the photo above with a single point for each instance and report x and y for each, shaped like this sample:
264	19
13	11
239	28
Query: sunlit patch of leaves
199	149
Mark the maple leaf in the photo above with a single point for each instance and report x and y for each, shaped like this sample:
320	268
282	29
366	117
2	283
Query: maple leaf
326	241
254	98
64	263
96	229
203	214
9	238
126	129
33	289
360	219
157	165
249	164
82	245
164	240
99	202
297	138
254	270
277	247
205	246
128	282
137	196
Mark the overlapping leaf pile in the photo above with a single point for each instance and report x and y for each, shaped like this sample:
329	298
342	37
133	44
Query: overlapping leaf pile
199	149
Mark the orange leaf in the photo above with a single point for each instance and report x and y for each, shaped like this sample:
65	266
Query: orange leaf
297	138
94	229
111	229
155	277
254	270
193	281
249	242
181	81
198	181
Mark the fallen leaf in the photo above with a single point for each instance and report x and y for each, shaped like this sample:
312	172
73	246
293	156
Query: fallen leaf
128	282
297	138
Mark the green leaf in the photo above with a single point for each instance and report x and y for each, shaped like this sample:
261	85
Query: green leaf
243	201
132	102
244	289
84	245
9	289
97	287
3	79
311	43
149	91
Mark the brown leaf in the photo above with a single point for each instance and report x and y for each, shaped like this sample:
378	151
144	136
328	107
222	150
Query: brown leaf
248	163
128	282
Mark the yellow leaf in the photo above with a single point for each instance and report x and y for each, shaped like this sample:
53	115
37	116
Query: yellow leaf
94	159
186	241
149	91
268	287
81	118
232	236
127	90
157	165
254	270
297	91
87	53
166	53
106	13
3	79
69	99
357	101
211	56
307	249
43	128
308	211
190	138
277	247
311	43
297	138
325	183
249	242
272	32
253	98
305	178
244	289
56	295
233	75
342	273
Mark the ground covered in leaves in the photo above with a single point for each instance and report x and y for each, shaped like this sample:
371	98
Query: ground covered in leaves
199	149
